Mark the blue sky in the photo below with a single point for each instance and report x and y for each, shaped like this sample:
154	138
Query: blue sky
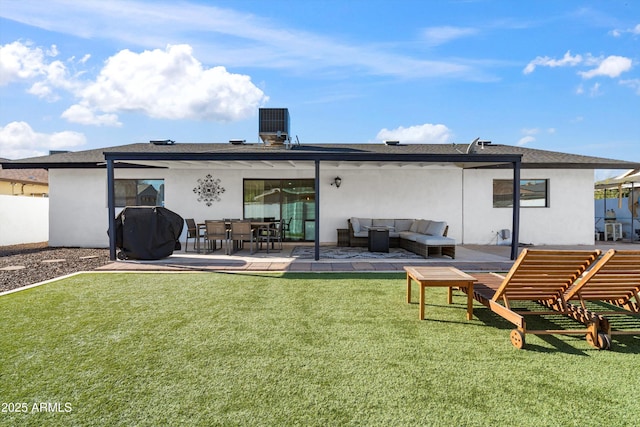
552	75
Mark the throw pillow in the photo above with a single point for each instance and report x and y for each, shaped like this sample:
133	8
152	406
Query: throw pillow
355	223
423	225
436	228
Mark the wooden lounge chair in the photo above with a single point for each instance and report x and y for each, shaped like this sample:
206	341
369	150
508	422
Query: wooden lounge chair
615	281
541	276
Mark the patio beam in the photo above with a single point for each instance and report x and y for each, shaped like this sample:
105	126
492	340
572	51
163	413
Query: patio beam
515	226
317	212
293	155
111	210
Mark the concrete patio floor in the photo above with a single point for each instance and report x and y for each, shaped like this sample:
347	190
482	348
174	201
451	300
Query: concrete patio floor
469	258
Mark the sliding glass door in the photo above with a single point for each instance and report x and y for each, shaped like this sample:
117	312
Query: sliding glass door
292	200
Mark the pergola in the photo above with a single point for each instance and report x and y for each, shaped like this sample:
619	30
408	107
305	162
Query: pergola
630	180
317	157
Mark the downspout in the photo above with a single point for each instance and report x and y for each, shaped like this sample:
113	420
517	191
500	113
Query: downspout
317	212
515	226
111	210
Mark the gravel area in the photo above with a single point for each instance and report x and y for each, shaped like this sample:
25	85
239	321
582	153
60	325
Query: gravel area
23	265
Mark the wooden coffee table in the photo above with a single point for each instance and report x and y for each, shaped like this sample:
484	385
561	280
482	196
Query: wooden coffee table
449	277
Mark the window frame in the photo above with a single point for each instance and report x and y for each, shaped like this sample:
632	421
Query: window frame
136	182
507	197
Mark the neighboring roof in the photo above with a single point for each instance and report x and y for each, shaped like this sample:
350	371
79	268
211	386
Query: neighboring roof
489	155
24	176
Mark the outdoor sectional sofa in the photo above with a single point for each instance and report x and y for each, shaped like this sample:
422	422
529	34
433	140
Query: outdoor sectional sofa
420	236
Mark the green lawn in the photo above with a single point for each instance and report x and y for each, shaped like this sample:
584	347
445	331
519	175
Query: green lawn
298	349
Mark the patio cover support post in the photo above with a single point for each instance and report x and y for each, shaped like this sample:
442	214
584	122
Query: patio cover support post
111	209
515	226
317	212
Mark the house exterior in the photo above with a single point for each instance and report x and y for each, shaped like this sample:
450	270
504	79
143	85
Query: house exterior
471	188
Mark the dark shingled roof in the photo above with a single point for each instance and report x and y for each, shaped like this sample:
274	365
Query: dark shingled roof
531	158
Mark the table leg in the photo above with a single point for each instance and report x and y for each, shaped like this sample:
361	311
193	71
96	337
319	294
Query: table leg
449	295
422	301
408	289
470	301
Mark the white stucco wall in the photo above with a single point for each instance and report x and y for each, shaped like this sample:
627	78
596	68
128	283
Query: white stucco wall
79	217
23	220
569	219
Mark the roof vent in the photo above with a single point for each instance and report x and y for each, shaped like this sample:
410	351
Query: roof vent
162	142
237	141
392	142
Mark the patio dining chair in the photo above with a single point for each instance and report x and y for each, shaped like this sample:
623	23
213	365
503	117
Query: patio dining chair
193	232
270	235
543	277
285	227
241	232
217	230
610	288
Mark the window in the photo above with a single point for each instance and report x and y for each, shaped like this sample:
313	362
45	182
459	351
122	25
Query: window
292	200
139	192
533	193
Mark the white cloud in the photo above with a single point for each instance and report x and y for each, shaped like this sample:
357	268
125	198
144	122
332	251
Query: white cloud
419	134
19	140
233	38
595	90
530	131
634	31
436	36
545	61
166	84
19	61
612	66
525	140
633	84
81	114
23	62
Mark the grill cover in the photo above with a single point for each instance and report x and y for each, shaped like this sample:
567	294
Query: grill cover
147	232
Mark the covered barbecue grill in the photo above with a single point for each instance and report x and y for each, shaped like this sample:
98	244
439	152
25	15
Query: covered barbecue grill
147	232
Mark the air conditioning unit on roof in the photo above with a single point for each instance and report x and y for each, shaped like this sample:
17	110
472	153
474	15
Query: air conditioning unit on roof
274	125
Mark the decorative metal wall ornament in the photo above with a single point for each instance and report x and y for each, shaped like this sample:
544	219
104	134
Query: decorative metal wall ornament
208	190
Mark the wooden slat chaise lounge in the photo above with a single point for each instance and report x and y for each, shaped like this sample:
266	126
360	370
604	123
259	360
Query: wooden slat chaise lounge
614	281
541	276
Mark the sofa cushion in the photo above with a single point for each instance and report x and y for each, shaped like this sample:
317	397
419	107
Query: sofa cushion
428	240
436	228
403	224
389	223
360	224
361	233
414	226
423	224
364	222
409	235
355	224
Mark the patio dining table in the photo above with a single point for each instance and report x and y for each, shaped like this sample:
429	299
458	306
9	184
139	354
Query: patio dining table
255	225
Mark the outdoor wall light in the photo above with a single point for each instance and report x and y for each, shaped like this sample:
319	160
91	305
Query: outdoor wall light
337	181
